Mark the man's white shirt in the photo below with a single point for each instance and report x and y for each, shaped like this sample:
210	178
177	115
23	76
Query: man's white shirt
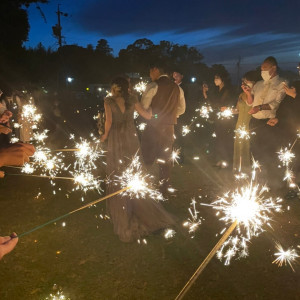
268	92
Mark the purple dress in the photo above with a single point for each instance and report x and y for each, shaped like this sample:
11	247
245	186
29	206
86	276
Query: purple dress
132	218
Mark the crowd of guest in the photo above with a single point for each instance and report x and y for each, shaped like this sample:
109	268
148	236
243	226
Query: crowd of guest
266	104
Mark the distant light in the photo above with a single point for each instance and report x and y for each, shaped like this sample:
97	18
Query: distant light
87	89
70	79
193	79
99	89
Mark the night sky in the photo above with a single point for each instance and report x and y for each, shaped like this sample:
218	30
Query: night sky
221	30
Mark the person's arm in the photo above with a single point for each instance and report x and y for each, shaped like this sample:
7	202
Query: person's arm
247	90
7	244
148	95
108	121
181	105
147	114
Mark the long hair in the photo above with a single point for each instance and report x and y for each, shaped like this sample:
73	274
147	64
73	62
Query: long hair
120	87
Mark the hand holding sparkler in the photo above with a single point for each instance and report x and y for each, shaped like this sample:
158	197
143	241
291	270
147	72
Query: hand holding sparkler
7	244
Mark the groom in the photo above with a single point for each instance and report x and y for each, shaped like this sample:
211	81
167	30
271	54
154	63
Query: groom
166	99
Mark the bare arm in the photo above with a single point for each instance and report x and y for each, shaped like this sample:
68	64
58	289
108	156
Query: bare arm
247	91
147	114
108	121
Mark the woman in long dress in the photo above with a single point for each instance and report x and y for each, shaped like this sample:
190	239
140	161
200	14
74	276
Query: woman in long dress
132	218
241	153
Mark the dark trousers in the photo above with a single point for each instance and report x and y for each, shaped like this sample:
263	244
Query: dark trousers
264	146
157	143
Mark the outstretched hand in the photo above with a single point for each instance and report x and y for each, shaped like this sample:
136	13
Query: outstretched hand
7	244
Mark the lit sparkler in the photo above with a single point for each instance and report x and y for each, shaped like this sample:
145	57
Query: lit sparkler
40	137
205	111
285	156
251	210
137	182
185	130
28	168
169	233
226	113
29	113
140	87
285	257
242	133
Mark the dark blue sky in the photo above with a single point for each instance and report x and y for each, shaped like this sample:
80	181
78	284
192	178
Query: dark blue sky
223	30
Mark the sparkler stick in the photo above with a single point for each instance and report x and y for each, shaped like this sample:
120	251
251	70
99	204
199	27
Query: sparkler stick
73	211
42	176
67	150
206	261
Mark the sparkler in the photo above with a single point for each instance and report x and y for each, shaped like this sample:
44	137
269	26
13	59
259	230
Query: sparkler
245	209
142	126
226	113
285	257
29	113
134	178
185	130
132	182
285	156
140	87
242	133
205	111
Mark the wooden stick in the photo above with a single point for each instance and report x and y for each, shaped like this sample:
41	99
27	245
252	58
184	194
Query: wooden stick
206	261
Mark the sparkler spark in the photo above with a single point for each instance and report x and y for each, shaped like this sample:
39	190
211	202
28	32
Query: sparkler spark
27	168
205	111
194	221
175	155
248	206
225	114
140	87
142	126
169	233
242	133
185	130
134	178
285	257
285	156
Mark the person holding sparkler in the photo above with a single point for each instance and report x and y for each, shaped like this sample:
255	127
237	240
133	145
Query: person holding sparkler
167	102
265	96
132	218
223	127
241	152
